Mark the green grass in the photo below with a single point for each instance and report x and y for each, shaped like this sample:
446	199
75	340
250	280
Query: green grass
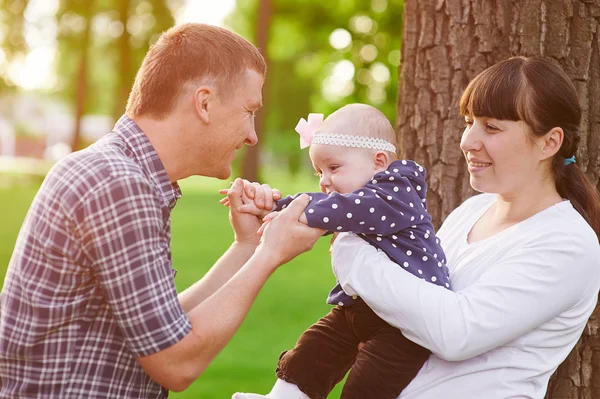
292	299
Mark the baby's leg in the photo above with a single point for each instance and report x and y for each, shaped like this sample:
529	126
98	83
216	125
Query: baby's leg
385	365
322	356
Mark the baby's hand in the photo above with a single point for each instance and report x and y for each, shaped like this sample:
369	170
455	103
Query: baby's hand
257	199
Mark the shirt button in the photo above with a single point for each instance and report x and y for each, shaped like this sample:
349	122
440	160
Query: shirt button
354	296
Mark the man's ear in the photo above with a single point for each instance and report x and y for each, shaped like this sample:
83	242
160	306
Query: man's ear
550	142
203	98
382	160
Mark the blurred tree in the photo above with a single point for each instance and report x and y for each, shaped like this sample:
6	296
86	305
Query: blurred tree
250	165
446	44
12	37
323	55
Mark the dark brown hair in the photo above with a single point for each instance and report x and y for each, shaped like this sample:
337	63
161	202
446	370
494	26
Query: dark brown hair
189	53
540	94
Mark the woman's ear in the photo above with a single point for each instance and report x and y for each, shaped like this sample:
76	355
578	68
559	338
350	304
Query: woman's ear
382	160
550	142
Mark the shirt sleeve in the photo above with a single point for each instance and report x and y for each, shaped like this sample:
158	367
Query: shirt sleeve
382	206
124	237
532	285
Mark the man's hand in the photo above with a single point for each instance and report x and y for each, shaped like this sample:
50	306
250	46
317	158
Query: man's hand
285	237
245	225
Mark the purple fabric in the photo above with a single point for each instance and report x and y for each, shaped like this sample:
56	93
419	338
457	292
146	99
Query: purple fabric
390	213
90	285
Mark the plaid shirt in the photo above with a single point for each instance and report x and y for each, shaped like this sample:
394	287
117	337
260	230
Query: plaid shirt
90	286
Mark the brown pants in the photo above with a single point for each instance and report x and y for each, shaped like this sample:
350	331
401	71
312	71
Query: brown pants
329	348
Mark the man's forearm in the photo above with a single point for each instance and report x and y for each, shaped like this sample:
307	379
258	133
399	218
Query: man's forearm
229	264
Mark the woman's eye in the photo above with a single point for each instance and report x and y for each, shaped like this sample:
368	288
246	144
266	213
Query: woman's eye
491	127
468	123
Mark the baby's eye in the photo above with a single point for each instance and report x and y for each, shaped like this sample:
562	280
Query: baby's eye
333	167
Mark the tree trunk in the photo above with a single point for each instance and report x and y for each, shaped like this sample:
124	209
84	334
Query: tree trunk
447	43
82	78
251	160
126	72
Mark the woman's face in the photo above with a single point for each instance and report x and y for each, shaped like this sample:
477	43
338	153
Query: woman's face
501	157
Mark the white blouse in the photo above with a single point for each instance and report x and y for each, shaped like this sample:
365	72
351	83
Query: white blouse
521	300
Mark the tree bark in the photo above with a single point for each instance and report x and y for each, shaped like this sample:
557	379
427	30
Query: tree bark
251	160
446	43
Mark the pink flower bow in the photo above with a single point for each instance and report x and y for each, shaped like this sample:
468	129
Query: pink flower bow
307	130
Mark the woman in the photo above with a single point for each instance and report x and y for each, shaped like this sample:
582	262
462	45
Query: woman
524	257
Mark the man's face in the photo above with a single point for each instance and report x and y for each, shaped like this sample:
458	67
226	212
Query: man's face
232	123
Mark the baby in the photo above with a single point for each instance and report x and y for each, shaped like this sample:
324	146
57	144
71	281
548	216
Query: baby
365	190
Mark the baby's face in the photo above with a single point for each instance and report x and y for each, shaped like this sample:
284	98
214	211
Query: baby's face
342	169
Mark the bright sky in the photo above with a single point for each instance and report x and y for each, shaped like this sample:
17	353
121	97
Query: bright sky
35	70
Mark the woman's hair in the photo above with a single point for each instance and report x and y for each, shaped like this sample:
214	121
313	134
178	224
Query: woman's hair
540	94
189	53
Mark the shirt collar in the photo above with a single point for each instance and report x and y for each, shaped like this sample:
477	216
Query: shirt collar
143	153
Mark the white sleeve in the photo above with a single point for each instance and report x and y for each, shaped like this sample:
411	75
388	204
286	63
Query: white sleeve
532	285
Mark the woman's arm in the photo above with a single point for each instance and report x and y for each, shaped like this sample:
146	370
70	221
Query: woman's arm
533	284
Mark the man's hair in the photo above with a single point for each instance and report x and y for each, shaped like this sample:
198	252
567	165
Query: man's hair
189	53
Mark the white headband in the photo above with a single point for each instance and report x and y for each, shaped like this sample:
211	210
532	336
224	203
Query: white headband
345	140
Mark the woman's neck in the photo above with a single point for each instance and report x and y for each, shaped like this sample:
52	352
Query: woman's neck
514	208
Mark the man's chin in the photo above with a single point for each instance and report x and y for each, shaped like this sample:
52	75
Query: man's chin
224	173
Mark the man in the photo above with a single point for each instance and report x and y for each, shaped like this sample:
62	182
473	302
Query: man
89	307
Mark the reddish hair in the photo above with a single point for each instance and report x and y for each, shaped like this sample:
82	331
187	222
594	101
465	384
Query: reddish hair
540	94
189	53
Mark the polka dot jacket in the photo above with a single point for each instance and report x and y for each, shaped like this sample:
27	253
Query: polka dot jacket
390	213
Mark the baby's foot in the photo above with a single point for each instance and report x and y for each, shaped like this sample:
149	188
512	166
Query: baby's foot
239	395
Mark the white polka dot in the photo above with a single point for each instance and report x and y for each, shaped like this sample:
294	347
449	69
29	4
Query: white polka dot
439	264
435	256
361	193
416	174
422	217
394	237
283	207
383	218
418	188
412	237
425	258
434	279
334	206
404	162
424	249
373	190
427	231
411	204
414	226
378	238
405	264
326	219
362	223
387	172
395	170
394	245
374	181
339	227
392	225
447	285
311	211
372	210
389	197
371	228
420	168
357	201
396	189
377	195
391	178
341	303
420	271
409	252
402	213
426	236
310	197
349	215
437	241
412	218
